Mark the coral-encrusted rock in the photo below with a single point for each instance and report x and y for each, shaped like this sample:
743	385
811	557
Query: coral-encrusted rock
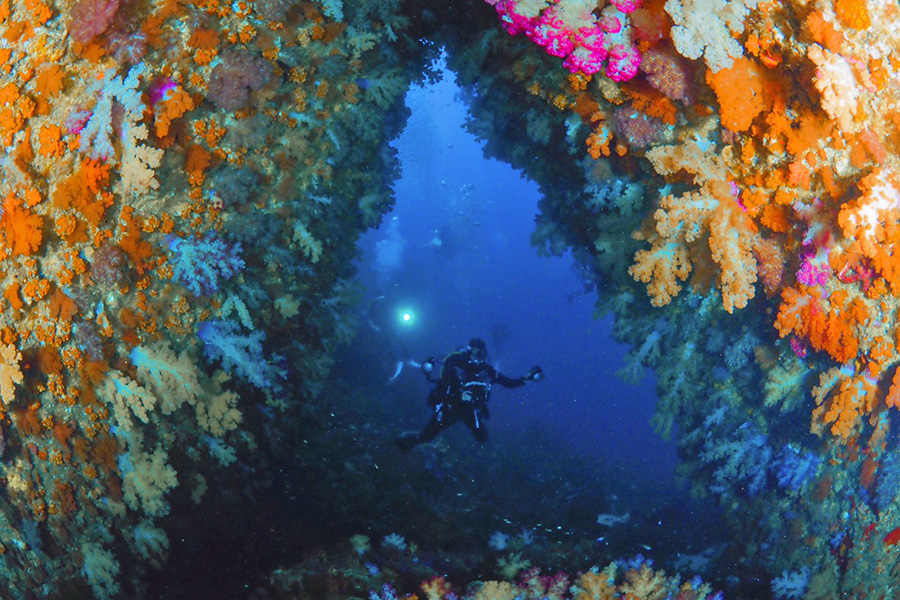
233	79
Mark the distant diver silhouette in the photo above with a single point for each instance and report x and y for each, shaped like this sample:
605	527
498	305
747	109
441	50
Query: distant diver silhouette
462	393
389	251
436	242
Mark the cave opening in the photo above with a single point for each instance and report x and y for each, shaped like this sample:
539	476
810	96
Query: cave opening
454	260
455	254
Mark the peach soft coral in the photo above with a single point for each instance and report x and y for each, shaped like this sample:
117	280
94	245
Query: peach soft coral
705	227
842	399
10	373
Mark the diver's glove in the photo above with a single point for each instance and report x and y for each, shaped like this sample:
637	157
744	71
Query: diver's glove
535	374
428	366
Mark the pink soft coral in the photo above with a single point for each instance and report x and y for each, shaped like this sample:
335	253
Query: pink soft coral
667	73
90	18
582	42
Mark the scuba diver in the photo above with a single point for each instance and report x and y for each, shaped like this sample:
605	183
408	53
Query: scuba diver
462	393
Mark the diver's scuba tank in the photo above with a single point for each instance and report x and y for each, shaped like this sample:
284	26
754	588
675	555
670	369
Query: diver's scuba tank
478	390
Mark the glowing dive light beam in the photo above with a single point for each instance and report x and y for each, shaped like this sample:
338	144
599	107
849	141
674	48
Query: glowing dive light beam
406	317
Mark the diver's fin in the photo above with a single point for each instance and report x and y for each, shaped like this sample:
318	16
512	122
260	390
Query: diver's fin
398	368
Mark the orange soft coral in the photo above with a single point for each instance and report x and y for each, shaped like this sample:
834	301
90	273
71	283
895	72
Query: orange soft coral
853	13
49	82
80	192
21	228
204	41
893	396
830	328
50	141
177	104
740	93
131	242
823	32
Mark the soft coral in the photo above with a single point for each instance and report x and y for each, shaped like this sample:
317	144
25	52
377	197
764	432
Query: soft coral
90	18
21	228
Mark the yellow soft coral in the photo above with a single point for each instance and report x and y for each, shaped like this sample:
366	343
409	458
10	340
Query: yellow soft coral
731	240
871	222
661	268
495	590
597	586
644	584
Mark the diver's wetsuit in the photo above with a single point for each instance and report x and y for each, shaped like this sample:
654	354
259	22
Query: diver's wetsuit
462	394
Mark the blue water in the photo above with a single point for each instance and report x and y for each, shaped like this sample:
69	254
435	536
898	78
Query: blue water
484	273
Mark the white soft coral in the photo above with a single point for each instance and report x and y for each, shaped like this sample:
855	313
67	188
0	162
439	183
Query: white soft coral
872	219
708	28
837	85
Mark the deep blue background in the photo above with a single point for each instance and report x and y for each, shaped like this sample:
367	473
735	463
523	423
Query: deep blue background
483	273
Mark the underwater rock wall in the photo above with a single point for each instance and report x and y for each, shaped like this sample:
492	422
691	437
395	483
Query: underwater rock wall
725	173
184	183
183	186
